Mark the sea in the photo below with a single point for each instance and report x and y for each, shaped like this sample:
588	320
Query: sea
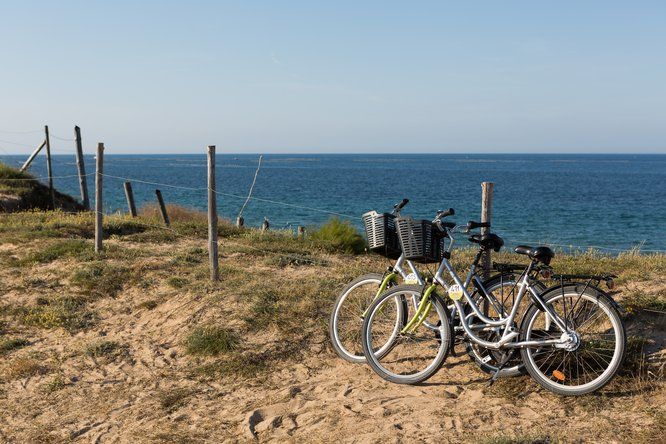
610	203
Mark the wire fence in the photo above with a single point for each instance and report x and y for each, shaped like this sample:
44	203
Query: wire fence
340	214
570	246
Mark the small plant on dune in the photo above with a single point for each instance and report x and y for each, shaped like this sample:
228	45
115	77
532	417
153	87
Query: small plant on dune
101	279
102	348
11	344
57	383
339	235
69	313
177	282
76	248
171	399
211	341
640	300
148	305
25	367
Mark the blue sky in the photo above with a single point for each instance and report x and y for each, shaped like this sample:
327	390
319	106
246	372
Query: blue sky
343	76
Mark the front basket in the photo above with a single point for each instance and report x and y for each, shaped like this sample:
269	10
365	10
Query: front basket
421	241
380	231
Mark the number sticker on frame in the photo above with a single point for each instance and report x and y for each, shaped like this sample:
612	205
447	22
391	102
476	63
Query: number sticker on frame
455	292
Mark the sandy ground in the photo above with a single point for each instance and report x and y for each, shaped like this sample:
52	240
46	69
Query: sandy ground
146	392
321	399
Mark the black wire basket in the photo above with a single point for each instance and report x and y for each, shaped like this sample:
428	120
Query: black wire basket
380	231
420	240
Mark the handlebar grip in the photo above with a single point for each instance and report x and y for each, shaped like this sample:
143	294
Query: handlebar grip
449	212
401	205
472	225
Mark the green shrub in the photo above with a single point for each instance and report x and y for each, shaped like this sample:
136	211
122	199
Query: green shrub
339	235
211	341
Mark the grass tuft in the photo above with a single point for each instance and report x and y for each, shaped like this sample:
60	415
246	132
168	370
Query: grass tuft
99	349
76	248
211	341
170	400
10	344
101	279
177	282
340	236
24	367
640	300
69	313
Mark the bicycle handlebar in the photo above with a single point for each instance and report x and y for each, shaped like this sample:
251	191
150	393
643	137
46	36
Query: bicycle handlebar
472	225
399	206
442	214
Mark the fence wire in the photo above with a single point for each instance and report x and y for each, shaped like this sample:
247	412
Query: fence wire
258	199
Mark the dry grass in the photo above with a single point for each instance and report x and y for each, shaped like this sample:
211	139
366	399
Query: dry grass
25	367
148	297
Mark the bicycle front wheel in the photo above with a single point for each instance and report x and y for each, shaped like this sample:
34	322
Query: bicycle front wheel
596	351
413	356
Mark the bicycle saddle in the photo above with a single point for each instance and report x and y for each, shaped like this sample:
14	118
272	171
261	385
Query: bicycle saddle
541	254
488	241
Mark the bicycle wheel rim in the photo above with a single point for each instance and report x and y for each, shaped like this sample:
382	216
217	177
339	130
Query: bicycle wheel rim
401	352
344	343
573	365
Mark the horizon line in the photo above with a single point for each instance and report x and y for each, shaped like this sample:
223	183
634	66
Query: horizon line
328	153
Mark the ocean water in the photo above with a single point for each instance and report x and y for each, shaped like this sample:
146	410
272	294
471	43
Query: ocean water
612	202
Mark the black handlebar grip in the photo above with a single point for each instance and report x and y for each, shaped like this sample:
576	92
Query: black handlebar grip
472	225
449	212
401	205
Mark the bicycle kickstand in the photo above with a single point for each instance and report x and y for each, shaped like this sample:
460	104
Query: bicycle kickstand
505	359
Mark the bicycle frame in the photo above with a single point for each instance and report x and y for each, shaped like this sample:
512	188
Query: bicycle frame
507	322
509	333
392	276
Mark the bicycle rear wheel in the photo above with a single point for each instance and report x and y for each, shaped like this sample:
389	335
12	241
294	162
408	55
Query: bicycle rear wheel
412	356
594	355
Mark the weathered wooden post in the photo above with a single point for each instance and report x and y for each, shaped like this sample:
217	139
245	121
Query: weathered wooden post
265	224
99	207
83	183
212	217
300	232
129	194
33	155
48	166
486	216
163	210
240	221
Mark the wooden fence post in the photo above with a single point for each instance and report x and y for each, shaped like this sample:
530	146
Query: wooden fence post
212	217
300	231
240	221
163	211
33	155
48	166
486	216
99	207
129	194
83	183
265	224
